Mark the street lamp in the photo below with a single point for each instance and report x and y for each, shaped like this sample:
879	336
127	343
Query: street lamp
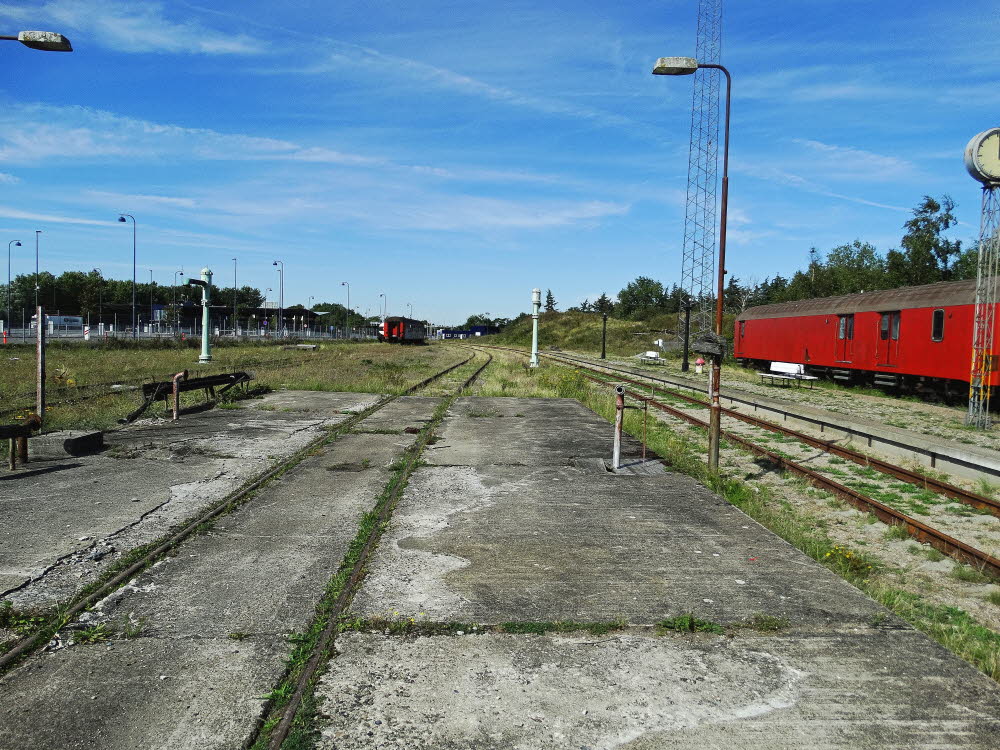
151	287
281	296
311	298
347	312
121	218
409	307
16	243
177	316
385	305
683	66
100	296
47	41
235	314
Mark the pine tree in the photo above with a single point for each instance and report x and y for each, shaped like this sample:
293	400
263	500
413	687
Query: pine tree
550	301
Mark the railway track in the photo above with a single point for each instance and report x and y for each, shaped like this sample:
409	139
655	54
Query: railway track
946	544
71	609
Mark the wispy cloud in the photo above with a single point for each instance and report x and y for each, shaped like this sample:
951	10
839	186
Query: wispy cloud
14	213
131	26
8	179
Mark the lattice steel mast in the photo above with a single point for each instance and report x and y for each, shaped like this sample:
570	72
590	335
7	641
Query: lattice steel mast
700	226
984	359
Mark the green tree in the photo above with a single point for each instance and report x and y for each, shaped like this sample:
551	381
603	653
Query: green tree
641	298
550	301
603	304
927	254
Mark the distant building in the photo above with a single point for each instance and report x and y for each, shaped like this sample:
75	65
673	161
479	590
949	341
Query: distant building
467	333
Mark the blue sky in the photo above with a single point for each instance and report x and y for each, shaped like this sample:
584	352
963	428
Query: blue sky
453	155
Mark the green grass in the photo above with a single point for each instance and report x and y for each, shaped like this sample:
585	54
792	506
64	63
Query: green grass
688	623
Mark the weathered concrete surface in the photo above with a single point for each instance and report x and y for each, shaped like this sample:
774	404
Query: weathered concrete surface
516	519
857	689
497	543
214	619
62	520
523	432
65	443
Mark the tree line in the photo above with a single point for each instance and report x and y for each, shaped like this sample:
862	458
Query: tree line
925	256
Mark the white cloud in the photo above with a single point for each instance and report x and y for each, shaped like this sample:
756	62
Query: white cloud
8	179
14	213
124	200
129	26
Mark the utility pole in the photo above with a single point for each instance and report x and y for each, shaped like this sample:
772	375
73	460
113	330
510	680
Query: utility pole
604	335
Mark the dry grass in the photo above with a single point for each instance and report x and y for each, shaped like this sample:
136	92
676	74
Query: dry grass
75	372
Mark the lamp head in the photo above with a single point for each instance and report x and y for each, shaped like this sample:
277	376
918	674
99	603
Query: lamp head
121	219
675	66
47	41
17	244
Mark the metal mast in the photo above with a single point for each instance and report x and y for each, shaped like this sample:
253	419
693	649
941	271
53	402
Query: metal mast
984	359
700	226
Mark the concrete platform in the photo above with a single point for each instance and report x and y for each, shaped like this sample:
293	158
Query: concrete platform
213	620
58	515
516	518
865	688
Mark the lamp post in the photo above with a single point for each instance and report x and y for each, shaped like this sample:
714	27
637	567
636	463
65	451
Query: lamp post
236	320
310	307
152	286
347	312
46	41
16	243
281	296
121	218
384	305
177	316
409	308
682	66
100	297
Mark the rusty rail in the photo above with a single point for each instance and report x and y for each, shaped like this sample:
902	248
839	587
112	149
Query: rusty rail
18	434
939	486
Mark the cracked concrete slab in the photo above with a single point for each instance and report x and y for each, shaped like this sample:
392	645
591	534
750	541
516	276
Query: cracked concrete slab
213	619
57	513
496	543
863	688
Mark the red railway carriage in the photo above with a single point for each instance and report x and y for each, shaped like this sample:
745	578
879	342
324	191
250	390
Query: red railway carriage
915	338
402	331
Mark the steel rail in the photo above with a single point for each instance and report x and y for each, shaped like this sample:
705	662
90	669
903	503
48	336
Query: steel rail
973	499
919	531
871	437
950	546
32	642
328	636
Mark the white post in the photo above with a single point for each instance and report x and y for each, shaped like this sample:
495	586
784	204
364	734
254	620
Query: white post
536	304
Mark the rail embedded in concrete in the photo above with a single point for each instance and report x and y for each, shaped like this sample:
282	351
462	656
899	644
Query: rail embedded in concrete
77	605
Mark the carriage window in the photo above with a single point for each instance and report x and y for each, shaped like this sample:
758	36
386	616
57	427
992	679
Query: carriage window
895	326
743	328
937	325
883	328
845	329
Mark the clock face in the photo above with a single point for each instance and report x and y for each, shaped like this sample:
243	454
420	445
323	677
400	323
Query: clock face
982	156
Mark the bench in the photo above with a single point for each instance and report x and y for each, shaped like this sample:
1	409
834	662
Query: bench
173	388
786	373
653	357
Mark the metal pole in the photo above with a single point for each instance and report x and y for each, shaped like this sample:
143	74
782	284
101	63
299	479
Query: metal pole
536	303
206	320
18	243
40	354
715	415
347	312
235	318
616	460
685	365
151	300
604	335
37	232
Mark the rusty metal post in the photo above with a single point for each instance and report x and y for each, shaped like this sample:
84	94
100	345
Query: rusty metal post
604	335
616	460
177	392
645	416
40	383
22	450
12	455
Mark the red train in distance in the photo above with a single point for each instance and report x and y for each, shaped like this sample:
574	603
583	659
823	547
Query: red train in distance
914	339
402	331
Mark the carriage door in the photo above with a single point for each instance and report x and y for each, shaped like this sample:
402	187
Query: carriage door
888	339
845	338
